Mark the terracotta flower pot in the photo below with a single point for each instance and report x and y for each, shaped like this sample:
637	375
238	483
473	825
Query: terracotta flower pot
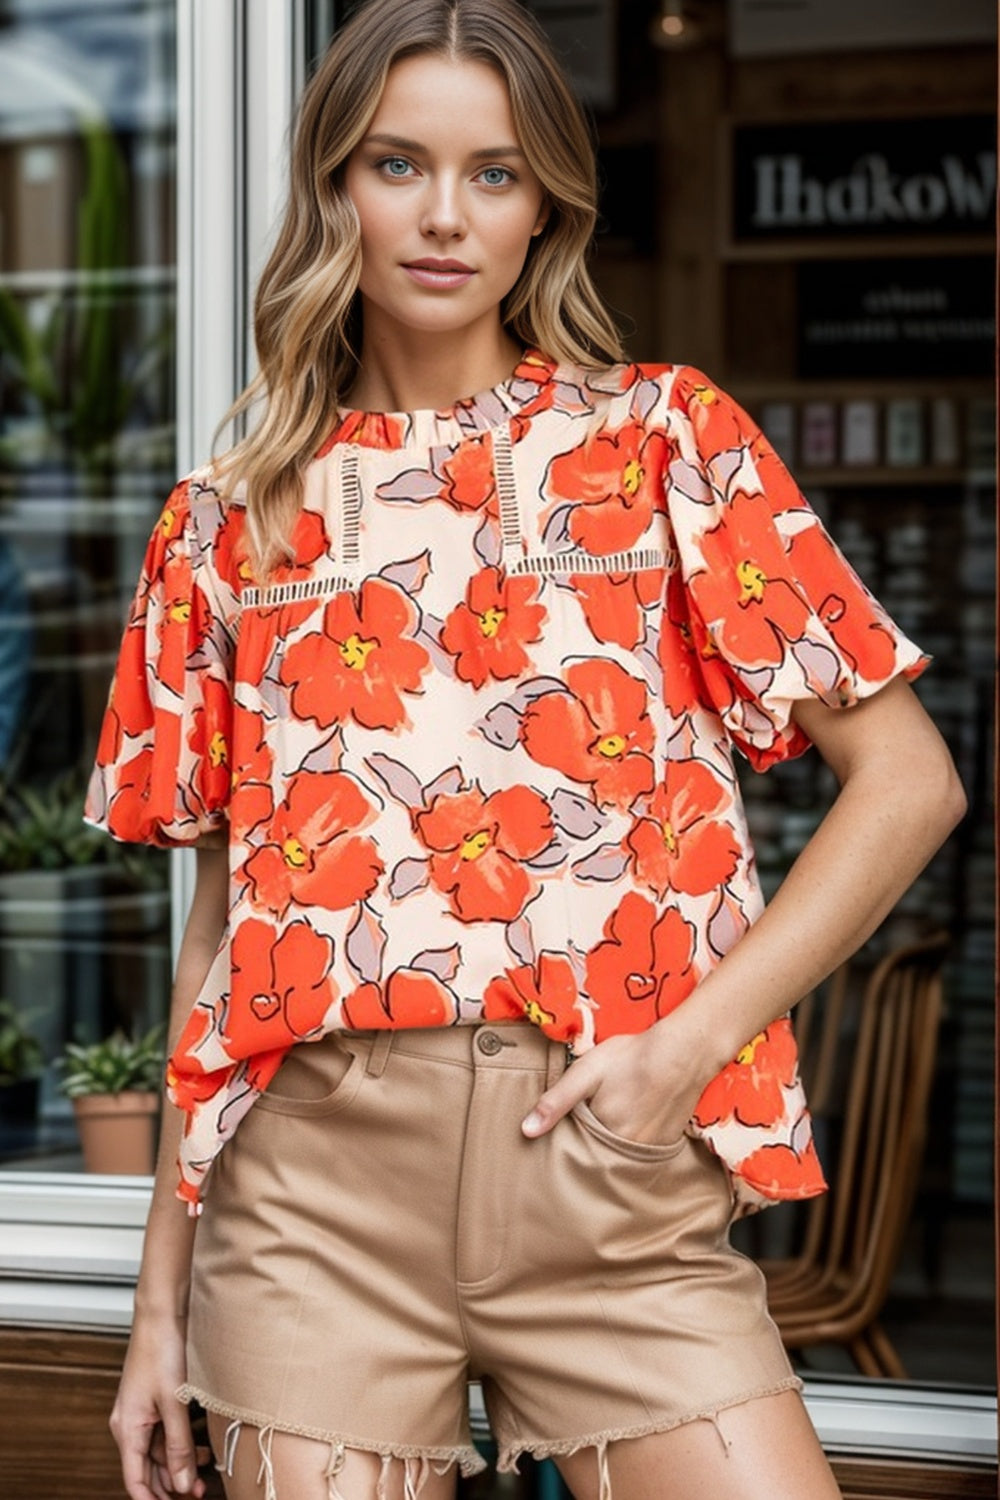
117	1131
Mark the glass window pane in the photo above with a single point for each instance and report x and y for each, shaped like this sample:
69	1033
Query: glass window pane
87	204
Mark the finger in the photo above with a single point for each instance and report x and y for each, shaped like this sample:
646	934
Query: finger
574	1085
135	1470
178	1447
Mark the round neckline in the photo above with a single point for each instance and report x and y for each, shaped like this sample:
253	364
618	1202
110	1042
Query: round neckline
464	418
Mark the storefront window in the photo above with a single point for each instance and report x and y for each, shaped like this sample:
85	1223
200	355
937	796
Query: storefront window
87	456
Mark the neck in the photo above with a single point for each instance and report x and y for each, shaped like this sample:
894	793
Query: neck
405	369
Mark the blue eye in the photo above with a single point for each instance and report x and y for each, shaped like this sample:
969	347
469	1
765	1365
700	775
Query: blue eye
394	166
497	176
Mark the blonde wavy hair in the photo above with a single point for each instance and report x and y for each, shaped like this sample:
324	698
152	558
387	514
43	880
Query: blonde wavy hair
306	309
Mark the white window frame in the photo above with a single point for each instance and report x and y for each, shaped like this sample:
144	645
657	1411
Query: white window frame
70	1244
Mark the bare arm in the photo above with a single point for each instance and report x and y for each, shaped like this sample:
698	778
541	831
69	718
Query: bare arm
150	1426
899	799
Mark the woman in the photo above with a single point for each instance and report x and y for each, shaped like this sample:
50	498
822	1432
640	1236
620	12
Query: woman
445	689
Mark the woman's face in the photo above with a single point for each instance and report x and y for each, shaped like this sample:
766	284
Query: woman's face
447	201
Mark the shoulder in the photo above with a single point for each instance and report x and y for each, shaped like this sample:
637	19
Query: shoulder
206	524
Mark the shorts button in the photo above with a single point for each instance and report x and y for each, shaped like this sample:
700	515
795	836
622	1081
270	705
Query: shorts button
489	1043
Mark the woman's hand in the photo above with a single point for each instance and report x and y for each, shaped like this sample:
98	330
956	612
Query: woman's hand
642	1087
151	1427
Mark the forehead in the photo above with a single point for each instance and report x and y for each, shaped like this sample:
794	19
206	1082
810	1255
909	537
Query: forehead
441	100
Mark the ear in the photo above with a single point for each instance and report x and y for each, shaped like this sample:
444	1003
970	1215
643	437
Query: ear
543	217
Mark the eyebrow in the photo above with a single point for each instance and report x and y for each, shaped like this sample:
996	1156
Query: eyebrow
401	143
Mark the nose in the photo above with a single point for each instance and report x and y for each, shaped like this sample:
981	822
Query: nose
443	215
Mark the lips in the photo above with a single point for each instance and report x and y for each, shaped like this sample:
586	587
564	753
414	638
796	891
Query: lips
429	264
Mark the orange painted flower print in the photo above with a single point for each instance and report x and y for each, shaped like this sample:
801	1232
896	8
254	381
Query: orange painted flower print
211	739
409	997
643	968
859	629
488	632
777	1171
313	854
281	986
682	841
749	1089
467	478
375	660
598	733
187	1079
251	796
613	603
479	847
545	993
746	592
614	481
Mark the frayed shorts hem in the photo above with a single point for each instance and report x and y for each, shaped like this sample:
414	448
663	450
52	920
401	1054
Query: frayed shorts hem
511	1453
465	1456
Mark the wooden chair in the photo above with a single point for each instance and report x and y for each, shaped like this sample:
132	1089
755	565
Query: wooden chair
833	1290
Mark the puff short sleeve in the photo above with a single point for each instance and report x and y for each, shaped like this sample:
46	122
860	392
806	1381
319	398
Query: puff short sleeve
772	610
162	772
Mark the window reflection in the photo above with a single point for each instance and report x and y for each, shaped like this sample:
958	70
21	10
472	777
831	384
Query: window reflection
87	102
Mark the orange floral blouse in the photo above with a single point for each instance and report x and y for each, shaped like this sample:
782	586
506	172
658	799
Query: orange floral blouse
473	747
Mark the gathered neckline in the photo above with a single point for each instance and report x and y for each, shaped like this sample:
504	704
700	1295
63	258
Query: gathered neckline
450	425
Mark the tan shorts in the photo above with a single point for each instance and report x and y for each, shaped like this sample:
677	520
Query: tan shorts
378	1232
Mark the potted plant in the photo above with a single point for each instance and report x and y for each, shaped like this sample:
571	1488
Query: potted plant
20	1067
115	1088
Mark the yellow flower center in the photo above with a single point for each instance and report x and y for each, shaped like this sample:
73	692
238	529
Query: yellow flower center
354	652
245	571
167	519
295	854
632	476
753	581
705	394
669	838
746	1054
180	609
536	1015
475	844
611	746
491	620
218	750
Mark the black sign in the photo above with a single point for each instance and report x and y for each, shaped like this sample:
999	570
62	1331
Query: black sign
935	175
896	317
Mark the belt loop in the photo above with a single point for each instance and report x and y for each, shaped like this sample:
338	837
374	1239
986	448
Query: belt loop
379	1054
558	1061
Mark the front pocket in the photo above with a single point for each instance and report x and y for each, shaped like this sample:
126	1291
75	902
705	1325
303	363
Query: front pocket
650	1151
316	1078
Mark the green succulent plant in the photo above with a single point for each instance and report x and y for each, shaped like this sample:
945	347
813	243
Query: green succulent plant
113	1065
20	1049
42	828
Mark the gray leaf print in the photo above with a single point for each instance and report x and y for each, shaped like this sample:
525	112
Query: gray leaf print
574	814
410	574
408	876
449	782
644	398
821	667
519	940
548	858
365	944
444	963
398	779
608	862
690	482
501	726
556	537
727	923
411	487
487	543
